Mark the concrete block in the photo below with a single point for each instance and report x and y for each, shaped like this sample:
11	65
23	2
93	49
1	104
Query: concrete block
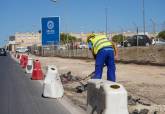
106	97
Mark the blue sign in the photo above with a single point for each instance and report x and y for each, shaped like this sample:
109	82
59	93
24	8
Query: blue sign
50	31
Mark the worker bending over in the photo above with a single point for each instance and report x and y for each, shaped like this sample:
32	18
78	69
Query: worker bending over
103	52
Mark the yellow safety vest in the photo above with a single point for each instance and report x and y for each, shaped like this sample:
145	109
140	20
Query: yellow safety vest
99	42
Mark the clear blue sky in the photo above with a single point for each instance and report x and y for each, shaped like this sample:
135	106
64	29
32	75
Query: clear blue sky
77	15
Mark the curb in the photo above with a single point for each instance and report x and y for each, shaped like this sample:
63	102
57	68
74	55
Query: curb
67	103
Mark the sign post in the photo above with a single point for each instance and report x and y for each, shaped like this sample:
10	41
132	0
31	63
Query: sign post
50	31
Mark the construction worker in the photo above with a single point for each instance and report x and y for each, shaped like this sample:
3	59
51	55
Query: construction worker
103	52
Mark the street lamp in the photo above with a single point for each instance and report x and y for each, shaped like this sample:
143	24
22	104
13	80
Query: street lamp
53	1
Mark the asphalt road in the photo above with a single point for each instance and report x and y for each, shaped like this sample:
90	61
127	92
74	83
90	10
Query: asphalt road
21	95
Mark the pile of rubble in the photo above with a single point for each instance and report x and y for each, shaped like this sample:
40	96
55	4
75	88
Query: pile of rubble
143	111
135	101
68	78
139	106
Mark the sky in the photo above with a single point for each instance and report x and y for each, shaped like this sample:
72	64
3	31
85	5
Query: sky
79	15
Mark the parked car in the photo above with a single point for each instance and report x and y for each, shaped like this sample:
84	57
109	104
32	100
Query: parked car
21	50
140	40
2	52
83	45
61	47
158	41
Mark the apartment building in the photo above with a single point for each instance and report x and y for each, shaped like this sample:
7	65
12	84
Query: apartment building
26	39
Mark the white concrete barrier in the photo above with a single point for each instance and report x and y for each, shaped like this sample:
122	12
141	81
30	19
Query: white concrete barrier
53	87
29	67
106	97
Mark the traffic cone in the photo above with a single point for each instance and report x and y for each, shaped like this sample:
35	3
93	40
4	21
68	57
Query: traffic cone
21	60
25	60
37	72
29	67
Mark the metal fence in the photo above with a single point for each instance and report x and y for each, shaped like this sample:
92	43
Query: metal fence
141	55
59	52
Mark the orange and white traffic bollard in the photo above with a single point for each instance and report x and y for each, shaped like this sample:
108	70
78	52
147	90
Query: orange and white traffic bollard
37	73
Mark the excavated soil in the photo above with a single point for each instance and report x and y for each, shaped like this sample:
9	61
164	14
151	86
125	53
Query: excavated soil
143	82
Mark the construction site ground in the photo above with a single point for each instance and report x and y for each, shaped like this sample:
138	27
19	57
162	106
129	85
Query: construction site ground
144	83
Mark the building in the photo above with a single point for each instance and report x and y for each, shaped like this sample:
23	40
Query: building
27	39
11	44
11	38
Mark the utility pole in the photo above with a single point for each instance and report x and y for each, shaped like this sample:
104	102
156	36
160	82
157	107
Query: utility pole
144	25
106	20
136	28
106	17
122	35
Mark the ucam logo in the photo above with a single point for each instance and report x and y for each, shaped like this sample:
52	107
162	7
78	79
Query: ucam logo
50	25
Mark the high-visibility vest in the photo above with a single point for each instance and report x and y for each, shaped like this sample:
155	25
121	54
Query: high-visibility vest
99	42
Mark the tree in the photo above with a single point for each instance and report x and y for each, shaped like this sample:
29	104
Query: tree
117	38
161	34
66	38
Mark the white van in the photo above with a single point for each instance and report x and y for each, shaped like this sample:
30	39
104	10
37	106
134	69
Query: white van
21	50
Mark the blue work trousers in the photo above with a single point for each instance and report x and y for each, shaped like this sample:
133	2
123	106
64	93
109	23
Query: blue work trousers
105	56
